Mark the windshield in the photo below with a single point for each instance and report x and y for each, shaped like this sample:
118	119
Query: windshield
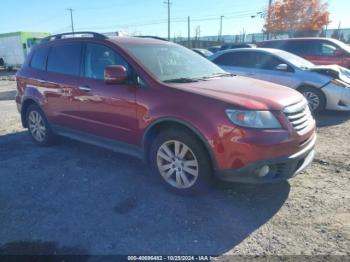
294	60
171	62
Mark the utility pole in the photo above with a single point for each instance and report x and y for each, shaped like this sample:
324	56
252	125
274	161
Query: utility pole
168	3
269	17
189	31
71	18
220	31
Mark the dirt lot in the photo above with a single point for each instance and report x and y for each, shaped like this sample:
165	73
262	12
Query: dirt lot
79	199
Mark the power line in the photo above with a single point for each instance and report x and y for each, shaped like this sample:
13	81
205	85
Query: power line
71	18
269	17
220	31
168	3
189	30
174	20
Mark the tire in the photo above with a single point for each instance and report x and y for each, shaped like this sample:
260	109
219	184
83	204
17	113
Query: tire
188	173
315	98
38	126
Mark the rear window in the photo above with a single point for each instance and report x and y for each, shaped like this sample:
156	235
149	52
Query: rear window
39	58
65	59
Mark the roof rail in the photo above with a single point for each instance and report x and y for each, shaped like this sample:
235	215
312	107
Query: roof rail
61	36
154	37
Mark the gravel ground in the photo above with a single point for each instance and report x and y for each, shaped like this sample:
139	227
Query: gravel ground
78	199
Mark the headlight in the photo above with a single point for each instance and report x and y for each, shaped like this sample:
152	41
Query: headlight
253	119
339	83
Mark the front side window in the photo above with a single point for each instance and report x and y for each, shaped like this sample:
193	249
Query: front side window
97	58
327	49
65	59
267	61
39	59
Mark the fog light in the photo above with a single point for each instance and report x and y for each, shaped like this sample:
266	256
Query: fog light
264	171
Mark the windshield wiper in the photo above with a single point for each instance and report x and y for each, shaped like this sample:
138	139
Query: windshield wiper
218	75
189	80
181	80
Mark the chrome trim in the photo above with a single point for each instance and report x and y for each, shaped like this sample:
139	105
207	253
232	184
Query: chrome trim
299	115
305	149
84	88
296	107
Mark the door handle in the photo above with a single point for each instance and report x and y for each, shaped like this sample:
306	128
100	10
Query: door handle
85	88
42	81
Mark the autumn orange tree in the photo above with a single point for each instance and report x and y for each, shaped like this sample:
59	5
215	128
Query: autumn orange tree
296	17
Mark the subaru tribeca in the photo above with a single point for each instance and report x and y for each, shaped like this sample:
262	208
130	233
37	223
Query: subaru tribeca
163	103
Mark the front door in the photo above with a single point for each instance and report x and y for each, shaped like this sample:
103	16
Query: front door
106	110
266	69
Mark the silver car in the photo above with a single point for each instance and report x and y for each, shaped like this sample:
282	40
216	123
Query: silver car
325	87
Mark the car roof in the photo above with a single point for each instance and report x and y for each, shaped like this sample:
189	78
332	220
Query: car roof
267	50
297	38
137	40
272	51
125	40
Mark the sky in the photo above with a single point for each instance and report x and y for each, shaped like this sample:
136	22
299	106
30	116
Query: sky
145	17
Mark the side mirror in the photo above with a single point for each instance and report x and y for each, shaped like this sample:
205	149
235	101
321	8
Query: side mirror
282	67
115	74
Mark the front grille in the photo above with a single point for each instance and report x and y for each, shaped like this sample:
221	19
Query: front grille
299	115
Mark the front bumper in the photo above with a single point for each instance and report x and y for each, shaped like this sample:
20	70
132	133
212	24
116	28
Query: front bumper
338	98
280	169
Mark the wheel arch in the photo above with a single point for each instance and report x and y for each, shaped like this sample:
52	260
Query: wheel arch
153	130
25	105
303	85
306	85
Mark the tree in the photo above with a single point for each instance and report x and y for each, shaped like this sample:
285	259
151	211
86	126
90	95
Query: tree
297	17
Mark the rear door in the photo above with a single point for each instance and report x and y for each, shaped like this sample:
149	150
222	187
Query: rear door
62	78
106	110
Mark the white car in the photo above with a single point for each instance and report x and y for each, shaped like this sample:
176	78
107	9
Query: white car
325	87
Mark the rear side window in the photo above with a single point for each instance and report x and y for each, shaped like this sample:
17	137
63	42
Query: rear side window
239	59
39	58
300	47
97	58
65	59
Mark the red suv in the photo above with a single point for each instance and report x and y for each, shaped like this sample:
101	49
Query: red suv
165	104
320	51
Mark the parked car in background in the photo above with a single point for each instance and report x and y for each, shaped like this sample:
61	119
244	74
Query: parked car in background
320	51
163	103
203	52
214	49
325	87
14	47
236	45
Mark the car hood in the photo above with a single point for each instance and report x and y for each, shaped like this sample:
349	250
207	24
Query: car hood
245	92
333	71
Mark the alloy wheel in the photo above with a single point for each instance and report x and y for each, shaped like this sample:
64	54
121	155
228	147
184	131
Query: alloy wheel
36	126
313	100
177	164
